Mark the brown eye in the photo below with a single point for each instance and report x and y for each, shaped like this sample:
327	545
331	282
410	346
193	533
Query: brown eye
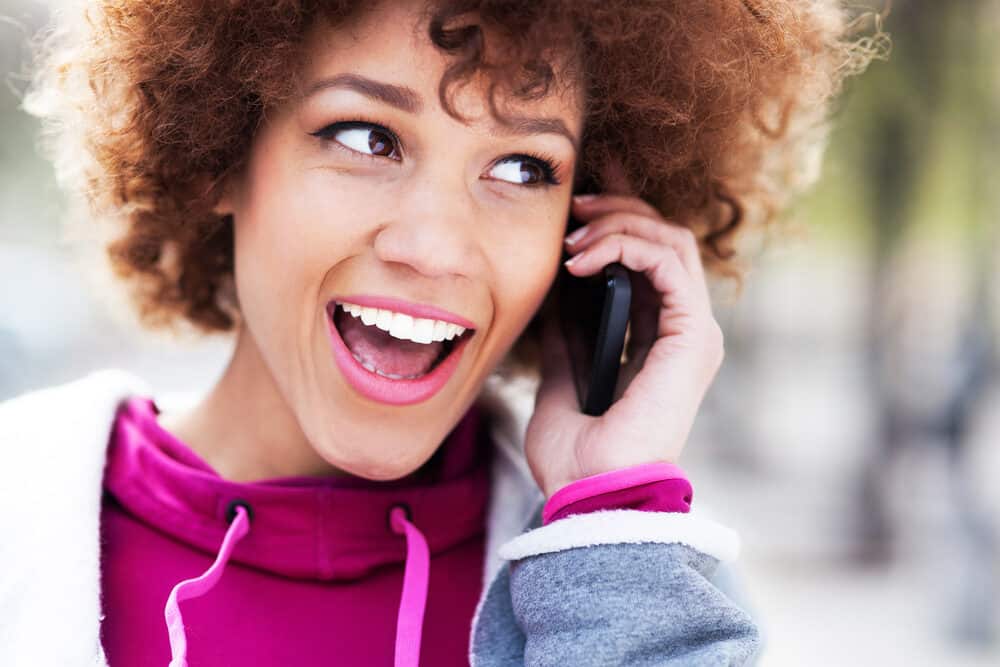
530	173
379	143
525	170
365	138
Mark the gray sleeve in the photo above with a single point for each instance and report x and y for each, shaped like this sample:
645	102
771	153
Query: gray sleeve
637	604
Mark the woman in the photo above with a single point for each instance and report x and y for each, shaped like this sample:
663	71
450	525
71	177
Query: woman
373	198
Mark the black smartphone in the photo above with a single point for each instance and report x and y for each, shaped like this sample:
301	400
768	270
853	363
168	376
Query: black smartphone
593	315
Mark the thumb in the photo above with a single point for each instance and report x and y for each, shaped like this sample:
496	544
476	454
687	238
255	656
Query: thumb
556	392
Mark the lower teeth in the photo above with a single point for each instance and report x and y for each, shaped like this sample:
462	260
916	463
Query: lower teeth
447	348
392	376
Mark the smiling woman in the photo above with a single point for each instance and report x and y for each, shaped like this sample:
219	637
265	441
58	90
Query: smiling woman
373	198
362	189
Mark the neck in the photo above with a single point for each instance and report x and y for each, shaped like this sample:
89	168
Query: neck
244	428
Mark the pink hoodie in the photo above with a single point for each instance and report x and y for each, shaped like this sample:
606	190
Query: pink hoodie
315	579
337	570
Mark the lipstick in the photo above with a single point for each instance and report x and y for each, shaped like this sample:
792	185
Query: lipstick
387	390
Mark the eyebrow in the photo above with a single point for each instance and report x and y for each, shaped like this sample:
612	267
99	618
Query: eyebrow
408	100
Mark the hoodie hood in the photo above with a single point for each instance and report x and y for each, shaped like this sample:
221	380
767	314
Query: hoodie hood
333	528
504	406
329	528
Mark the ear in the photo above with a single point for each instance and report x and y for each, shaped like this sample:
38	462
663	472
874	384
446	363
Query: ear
205	185
225	205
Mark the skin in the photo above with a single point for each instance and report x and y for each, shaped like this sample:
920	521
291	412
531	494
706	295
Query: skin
444	226
675	348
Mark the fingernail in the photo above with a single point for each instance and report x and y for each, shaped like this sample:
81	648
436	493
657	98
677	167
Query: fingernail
579	199
577	235
572	260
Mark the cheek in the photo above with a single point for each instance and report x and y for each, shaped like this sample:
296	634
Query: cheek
292	229
525	271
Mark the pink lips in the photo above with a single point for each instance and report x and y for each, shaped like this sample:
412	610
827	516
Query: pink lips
387	390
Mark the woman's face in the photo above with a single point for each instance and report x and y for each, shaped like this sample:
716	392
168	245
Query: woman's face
350	195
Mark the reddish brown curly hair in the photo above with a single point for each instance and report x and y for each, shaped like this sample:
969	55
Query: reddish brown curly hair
713	107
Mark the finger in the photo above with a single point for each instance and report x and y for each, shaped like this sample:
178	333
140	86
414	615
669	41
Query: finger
661	264
600	204
642	335
644	316
556	392
655	229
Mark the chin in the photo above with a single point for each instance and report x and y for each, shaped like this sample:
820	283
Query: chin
381	470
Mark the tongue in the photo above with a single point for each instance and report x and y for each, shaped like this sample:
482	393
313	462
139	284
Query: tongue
389	355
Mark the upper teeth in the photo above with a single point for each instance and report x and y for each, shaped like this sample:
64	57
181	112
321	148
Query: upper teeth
403	326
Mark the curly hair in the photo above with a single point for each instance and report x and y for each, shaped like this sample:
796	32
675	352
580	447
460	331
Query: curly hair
715	109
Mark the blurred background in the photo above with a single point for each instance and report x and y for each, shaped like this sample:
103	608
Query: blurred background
852	435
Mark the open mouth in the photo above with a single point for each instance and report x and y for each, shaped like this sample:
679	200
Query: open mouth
395	346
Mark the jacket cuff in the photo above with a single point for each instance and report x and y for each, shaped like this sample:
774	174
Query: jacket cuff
625	526
652	487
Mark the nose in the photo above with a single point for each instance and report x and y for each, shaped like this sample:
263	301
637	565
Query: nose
432	229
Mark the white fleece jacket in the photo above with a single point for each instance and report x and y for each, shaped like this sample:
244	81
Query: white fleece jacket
52	454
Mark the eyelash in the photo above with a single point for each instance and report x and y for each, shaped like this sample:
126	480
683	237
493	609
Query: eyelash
549	165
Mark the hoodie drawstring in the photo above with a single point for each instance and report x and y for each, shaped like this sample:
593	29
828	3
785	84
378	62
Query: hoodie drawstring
192	588
412	603
410	620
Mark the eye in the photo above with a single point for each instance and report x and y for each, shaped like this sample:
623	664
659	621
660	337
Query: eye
535	170
369	139
376	141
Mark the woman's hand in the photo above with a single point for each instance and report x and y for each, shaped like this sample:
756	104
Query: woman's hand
675	350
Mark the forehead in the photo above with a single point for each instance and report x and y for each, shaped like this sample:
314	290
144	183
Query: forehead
389	42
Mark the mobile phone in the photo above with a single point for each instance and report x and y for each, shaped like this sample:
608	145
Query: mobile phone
593	315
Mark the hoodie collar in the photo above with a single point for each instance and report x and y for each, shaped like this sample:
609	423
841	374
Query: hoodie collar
331	528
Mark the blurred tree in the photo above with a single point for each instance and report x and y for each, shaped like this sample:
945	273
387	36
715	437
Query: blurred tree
929	124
